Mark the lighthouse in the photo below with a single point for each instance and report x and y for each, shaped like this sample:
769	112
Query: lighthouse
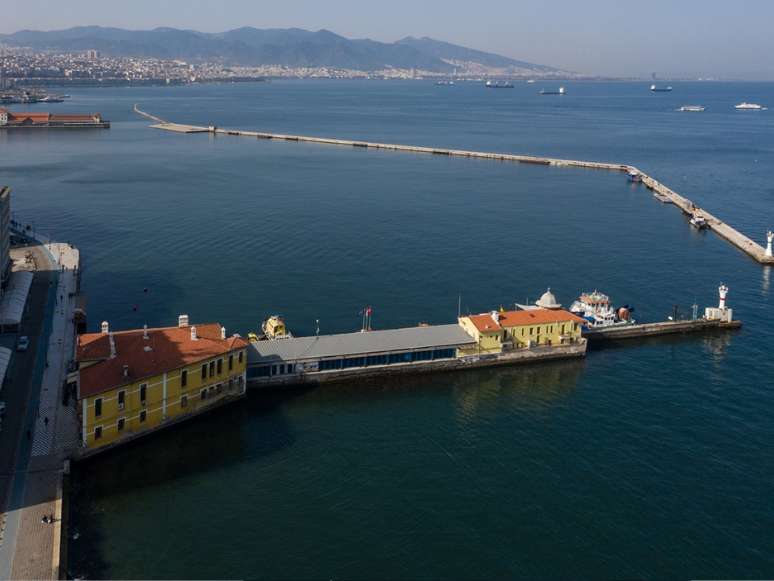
723	290
722	312
770	236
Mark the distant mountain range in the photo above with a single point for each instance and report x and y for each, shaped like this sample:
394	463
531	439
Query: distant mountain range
291	47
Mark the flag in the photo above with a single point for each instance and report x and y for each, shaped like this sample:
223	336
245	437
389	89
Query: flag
368	312
501	309
361	311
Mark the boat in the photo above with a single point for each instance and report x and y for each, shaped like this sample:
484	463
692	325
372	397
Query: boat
634	177
444	82
699	221
274	328
662	198
559	92
748	106
531	81
655	89
692	108
497	85
51	99
598	312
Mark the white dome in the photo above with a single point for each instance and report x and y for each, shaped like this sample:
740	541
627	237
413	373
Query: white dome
548	301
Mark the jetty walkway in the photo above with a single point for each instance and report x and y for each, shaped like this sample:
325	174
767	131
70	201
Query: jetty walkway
723	230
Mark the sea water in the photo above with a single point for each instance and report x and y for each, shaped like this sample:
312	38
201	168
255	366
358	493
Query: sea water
651	459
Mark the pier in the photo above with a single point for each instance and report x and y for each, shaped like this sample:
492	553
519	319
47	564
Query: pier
722	229
595	336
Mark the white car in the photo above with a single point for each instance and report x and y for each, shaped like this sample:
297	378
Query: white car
24	342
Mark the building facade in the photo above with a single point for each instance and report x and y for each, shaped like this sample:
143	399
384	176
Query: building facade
134	382
497	332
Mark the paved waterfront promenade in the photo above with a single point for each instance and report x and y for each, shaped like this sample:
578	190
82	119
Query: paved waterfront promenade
30	548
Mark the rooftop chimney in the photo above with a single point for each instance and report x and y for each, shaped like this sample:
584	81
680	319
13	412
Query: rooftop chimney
222	332
193	333
105	327
112	346
182	321
126	371
145	331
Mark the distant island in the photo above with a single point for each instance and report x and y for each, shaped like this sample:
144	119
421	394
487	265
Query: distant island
246	54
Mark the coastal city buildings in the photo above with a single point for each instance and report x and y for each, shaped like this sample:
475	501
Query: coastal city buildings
132	382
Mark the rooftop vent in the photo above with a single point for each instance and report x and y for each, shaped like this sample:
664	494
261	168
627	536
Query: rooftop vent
105	327
193	333
145	331
126	371
222	332
182	321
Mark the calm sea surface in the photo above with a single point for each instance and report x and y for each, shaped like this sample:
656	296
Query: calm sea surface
651	460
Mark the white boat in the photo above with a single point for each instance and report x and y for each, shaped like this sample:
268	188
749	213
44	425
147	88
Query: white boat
559	92
657	90
662	198
599	312
699	221
747	106
692	108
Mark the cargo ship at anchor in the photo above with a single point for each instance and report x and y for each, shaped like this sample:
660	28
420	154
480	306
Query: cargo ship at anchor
9	120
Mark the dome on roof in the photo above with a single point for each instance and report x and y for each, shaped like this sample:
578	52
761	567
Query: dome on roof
548	301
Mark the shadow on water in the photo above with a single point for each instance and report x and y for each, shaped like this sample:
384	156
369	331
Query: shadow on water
209	443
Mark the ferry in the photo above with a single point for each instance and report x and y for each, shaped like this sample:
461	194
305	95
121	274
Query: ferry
597	310
657	90
748	106
274	328
559	92
497	85
699	221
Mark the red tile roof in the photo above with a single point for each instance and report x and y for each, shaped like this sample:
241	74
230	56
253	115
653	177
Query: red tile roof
170	348
485	323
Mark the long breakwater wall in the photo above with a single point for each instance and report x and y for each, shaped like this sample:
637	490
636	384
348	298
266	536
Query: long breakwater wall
722	229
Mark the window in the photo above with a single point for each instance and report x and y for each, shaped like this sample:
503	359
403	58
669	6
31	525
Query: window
563	328
531	329
121	399
143	393
212	369
98	407
203	394
142	416
97	432
204	371
184	401
240	357
184	378
231	362
220	366
121	424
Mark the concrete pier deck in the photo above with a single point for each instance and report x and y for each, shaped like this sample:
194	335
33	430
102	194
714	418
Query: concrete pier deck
653	329
716	225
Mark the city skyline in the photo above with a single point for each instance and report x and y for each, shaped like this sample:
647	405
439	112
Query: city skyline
597	37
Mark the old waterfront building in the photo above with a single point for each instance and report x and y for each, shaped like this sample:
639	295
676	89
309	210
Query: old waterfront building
134	382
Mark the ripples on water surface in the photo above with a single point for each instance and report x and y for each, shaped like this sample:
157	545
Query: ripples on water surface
645	461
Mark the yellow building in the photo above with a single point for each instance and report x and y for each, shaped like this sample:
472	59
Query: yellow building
496	332
132	382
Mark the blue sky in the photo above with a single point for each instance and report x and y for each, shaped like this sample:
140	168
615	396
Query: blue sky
688	38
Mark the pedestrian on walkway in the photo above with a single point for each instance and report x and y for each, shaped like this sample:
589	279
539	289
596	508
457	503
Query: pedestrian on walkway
46	421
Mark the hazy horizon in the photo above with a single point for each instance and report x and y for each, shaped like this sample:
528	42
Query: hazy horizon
686	39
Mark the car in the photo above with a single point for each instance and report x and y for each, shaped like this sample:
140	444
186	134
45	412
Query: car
24	342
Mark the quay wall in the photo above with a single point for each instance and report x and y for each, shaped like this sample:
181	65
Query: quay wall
516	357
652	329
720	228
